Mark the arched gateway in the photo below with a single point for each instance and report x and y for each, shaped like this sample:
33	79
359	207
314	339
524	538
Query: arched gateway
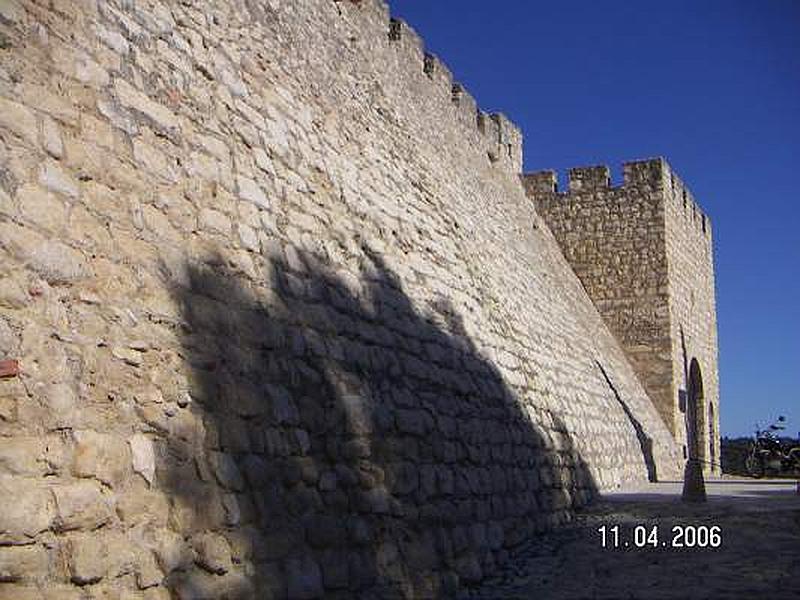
695	413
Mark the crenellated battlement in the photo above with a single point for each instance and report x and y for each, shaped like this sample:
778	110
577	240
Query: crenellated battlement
540	184
493	133
649	171
589	178
509	138
679	194
466	107
653	173
598	177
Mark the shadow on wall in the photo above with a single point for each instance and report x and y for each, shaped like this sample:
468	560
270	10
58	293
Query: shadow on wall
645	441
351	445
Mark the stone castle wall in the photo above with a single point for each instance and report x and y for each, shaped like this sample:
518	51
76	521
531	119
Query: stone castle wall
285	322
693	314
643	252
614	237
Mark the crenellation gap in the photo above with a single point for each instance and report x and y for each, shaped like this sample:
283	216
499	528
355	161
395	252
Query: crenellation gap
395	30
429	64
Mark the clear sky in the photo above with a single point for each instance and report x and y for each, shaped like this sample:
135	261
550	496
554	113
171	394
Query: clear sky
713	86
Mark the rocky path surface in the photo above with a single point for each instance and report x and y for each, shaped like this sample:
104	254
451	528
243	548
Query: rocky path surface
758	554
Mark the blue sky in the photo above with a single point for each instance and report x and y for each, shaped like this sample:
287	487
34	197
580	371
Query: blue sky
714	86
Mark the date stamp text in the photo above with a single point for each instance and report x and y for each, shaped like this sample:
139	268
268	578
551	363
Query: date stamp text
652	536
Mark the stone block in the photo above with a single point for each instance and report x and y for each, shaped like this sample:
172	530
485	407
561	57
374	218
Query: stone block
127	355
54	178
323	531
215	147
30	513
250	191
415	422
233	513
81	505
61	401
214	222
12	12
428	479
362	570
113	39
263	160
159	115
57	263
23	563
139	505
328	481
22	456
9	340
358	448
12	294
375	501
18	119
154	160
335	570
387	555
54	261
171	550
143	460
283	407
258	471
234	436
89	71
51	138
226	471
403	477
41	207
291	472
213	553
469	569
478	538
121	553
276	138
250	114
419	551
304	578
278	543
148	574
228	75
159	224
105	457
31	591
247	237
87	558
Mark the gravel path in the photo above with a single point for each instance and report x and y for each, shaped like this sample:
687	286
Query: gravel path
758	555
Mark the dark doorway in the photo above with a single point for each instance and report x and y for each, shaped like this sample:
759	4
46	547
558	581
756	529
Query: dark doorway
695	413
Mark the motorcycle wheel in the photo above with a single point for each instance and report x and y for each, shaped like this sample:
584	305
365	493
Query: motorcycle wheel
794	460
754	466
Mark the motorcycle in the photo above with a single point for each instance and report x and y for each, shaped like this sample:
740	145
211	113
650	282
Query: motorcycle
768	453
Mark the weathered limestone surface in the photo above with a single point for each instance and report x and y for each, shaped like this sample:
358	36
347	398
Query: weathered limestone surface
644	252
693	312
288	325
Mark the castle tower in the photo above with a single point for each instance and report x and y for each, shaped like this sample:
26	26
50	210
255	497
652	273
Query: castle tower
644	253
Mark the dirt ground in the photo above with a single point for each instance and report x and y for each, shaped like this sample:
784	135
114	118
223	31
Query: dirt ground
758	554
